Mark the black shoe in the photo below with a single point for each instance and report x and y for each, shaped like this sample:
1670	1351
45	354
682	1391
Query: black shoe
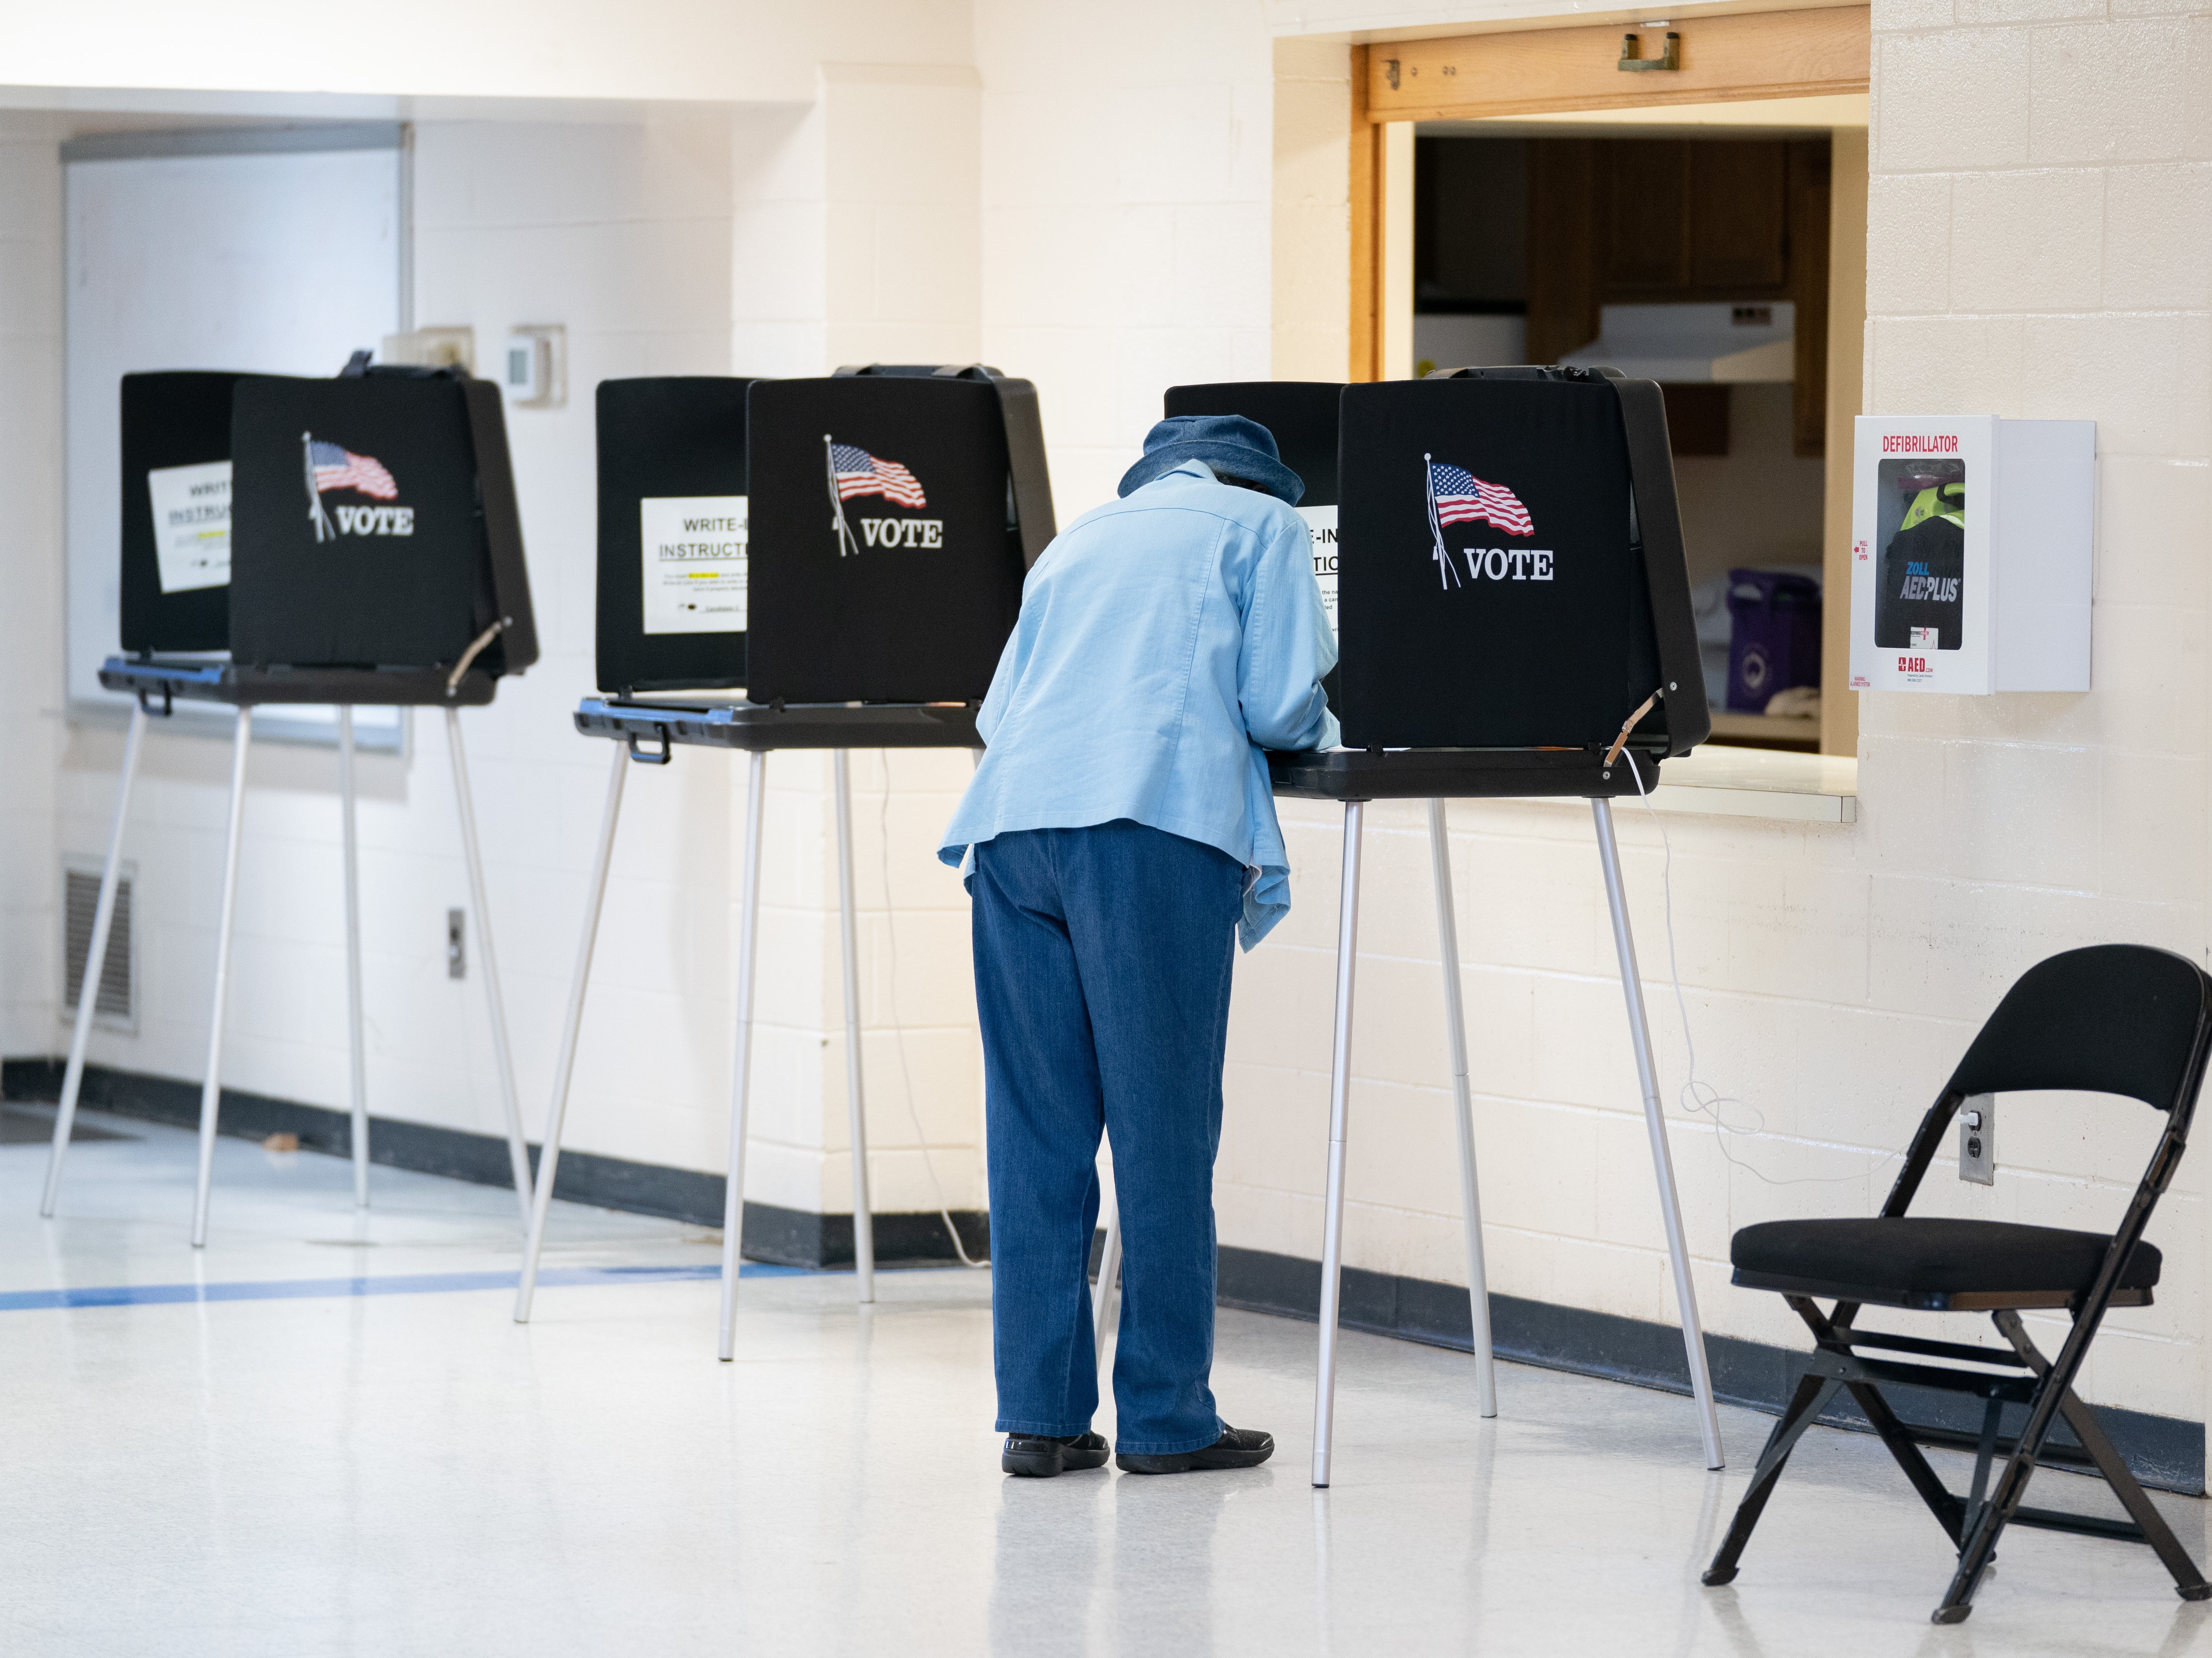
1237	1448
1039	1456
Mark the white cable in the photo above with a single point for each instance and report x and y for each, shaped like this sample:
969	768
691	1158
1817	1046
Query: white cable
898	1030
1702	1098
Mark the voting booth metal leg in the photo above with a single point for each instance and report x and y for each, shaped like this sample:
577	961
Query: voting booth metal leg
1662	1165
1478	1279
517	1150
357	1061
864	1228
733	1200
211	1089
1339	1091
95	958
548	1156
1106	1298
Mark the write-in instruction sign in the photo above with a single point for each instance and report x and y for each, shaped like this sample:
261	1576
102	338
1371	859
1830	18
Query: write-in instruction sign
1321	524
695	563
191	524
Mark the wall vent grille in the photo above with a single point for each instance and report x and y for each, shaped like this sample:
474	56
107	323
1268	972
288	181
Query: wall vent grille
117	1003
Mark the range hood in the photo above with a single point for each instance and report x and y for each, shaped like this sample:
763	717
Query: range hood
1728	343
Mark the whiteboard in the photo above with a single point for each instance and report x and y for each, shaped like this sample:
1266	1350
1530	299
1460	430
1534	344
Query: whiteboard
280	261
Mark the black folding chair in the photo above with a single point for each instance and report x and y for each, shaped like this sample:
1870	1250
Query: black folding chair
2112	1019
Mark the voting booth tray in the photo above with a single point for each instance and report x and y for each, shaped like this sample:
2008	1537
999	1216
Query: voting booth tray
1459	773
242	685
761	727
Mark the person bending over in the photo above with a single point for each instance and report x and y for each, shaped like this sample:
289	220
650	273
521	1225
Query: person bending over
1122	834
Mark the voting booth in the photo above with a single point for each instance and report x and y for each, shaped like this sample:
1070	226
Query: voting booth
350	541
1514	620
1302	416
859	541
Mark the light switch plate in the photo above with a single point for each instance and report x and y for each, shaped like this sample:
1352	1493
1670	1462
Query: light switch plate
432	347
1977	1139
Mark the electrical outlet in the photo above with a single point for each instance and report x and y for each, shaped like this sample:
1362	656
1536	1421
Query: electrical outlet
457	957
1977	1139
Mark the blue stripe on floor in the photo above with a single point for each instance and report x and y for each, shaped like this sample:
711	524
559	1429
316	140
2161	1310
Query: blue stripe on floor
396	1284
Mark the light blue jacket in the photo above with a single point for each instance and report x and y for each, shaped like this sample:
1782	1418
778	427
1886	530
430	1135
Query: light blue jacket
1165	641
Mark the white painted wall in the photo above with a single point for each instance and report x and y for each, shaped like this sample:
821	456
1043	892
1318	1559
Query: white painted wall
654	50
31	576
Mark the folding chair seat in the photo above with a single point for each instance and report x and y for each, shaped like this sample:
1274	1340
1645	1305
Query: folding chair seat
1933	1263
2115	1019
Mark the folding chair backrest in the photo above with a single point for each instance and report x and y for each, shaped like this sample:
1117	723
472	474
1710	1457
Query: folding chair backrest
2110	1019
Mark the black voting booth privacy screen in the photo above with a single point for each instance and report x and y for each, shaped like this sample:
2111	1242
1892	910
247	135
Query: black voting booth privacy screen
664	442
1510	579
1301	414
375	525
892	515
173	419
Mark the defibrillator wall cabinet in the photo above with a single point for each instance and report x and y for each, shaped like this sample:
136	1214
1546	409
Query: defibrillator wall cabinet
373	555
1972	543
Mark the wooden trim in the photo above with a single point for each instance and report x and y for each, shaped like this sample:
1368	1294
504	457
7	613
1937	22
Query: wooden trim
1847	293
1810	172
1366	229
1773	54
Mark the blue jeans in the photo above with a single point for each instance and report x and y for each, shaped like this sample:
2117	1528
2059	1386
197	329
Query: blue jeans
1102	961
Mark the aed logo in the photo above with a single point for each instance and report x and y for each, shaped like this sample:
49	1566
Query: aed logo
1508	564
376	520
1919	584
1912	665
903	532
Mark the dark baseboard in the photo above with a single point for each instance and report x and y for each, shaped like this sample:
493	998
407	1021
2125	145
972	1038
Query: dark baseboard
787	1238
2166	1453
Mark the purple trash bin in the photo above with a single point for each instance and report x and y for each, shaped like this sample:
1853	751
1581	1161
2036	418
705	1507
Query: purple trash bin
1774	636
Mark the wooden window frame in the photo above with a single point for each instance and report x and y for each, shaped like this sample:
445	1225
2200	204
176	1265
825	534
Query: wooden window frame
1751	56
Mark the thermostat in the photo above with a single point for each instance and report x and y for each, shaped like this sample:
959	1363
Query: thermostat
533	366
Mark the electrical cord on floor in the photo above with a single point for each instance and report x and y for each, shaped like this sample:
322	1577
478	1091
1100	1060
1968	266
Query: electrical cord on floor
1696	1097
898	1031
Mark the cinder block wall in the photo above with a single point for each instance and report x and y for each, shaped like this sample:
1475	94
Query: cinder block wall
2037	248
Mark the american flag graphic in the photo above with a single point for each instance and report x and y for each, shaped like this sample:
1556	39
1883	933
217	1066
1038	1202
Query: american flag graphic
859	473
341	469
1463	498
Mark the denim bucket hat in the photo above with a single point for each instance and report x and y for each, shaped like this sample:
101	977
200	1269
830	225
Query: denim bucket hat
1228	443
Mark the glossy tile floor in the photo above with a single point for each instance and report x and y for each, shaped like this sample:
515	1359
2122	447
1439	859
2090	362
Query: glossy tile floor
239	1470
